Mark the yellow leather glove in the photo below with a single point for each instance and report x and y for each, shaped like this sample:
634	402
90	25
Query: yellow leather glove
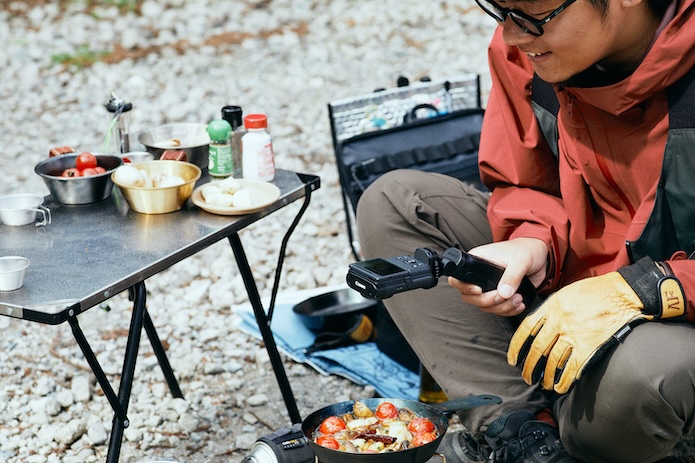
581	321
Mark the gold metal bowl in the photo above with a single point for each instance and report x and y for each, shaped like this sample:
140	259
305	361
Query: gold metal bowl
163	199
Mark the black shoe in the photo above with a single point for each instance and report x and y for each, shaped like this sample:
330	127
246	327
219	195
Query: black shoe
683	452
520	438
461	447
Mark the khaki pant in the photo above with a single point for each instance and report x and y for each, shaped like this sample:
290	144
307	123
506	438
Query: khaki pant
632	406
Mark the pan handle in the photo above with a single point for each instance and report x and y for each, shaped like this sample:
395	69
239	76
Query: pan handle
455	405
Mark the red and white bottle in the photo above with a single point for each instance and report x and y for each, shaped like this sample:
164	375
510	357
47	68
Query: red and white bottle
258	158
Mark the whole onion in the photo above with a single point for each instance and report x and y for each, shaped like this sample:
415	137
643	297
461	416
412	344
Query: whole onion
129	176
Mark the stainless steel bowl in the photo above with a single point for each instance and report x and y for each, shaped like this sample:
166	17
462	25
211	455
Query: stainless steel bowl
12	272
164	199
77	190
189	137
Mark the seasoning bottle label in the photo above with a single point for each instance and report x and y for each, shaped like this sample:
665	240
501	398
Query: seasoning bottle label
266	162
220	160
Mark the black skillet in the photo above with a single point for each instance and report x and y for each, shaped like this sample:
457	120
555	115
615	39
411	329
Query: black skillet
330	311
437	413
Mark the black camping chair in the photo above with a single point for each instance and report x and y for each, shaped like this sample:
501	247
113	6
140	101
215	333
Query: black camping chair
429	125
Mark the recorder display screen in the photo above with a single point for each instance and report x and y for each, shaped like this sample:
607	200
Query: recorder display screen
381	267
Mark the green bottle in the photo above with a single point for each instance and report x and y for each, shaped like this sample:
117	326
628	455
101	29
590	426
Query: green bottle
220	163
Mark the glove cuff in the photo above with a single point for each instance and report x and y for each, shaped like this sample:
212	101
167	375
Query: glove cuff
662	295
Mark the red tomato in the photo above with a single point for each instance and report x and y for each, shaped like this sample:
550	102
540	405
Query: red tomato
89	171
100	170
328	442
386	410
85	161
420	425
71	172
332	425
423	438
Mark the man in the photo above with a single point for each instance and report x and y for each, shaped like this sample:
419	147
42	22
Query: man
602	369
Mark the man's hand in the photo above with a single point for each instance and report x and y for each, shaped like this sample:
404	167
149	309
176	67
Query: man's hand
520	257
581	321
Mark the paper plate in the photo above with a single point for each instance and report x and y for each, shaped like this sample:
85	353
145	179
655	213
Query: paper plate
262	194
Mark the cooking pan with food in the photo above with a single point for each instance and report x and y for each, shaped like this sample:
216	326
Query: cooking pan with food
437	413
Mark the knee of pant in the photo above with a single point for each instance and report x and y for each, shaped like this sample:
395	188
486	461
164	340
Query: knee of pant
377	201
636	383
626	407
654	364
652	383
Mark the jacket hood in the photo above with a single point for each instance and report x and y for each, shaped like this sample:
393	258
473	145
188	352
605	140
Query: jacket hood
669	58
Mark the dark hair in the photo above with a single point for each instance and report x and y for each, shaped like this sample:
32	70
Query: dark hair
658	7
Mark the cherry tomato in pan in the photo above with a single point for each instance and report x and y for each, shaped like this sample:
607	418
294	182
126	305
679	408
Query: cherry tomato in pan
420	425
386	410
423	438
85	161
328	442
332	425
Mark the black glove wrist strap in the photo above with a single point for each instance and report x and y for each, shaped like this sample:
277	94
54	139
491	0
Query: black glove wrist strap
661	295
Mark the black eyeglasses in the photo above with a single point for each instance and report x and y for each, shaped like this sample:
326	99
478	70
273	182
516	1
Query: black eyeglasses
527	23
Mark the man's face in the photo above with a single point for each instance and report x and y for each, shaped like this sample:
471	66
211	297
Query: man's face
574	40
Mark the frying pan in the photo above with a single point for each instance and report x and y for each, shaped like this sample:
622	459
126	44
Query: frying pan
330	311
437	413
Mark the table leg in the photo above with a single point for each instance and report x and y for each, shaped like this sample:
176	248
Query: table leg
283	250
162	357
159	351
96	368
264	327
131	353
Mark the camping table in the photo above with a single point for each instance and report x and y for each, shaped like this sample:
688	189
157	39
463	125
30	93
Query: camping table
108	249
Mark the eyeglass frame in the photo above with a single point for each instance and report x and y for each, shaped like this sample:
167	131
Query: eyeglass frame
517	15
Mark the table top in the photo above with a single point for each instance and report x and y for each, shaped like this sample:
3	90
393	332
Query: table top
92	252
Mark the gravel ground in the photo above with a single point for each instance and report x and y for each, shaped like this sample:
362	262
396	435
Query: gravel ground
181	61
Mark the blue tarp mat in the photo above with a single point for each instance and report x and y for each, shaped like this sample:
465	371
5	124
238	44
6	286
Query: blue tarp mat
363	364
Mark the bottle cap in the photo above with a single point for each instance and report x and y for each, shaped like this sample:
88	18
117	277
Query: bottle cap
219	130
116	104
256	121
232	114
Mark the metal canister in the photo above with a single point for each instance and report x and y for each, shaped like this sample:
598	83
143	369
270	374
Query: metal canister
286	445
120	122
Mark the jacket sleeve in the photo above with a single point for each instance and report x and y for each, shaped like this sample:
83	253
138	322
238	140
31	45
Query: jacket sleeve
516	163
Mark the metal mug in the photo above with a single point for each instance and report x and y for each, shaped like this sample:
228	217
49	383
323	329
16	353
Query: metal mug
23	209
12	272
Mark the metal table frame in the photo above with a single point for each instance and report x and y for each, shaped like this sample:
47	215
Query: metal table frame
134	247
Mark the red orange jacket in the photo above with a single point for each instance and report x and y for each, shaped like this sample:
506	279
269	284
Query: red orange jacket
601	190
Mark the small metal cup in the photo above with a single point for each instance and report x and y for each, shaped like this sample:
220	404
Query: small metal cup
12	272
23	209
